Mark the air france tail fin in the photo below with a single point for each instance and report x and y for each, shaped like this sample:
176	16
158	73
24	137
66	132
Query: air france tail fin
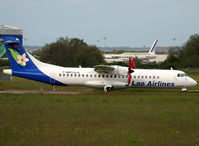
18	57
152	51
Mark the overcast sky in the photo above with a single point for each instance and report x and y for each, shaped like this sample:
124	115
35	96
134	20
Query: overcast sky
133	23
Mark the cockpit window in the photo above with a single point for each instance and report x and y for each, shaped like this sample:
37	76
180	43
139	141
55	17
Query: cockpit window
181	75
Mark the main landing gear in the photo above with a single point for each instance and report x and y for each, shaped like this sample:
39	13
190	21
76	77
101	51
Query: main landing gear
107	88
184	90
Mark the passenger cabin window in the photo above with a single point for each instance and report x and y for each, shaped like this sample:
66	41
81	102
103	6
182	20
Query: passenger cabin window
154	77
99	76
158	77
145	77
82	75
60	75
149	77
135	77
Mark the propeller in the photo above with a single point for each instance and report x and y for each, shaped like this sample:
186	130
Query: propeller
131	66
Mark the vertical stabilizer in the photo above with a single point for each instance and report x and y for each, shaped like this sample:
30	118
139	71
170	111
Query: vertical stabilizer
152	49
18	57
26	66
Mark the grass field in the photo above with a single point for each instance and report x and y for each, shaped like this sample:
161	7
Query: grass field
122	117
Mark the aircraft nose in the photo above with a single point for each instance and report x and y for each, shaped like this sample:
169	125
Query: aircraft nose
193	82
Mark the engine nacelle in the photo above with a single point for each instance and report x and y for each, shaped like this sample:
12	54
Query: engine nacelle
119	70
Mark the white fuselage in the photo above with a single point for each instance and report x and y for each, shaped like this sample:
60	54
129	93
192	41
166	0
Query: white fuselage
140	78
89	77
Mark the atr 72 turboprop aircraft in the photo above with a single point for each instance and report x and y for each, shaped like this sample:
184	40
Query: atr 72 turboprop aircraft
105	77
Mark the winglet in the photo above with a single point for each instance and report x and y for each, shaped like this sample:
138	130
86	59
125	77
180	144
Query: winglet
152	51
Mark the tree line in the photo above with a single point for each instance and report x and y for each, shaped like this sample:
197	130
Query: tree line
74	52
186	57
70	53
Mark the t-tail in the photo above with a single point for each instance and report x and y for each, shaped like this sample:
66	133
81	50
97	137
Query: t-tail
152	49
23	64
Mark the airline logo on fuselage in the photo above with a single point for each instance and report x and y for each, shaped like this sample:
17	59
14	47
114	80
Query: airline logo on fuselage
153	84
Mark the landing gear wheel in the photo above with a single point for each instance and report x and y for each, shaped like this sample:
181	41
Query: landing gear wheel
107	88
184	90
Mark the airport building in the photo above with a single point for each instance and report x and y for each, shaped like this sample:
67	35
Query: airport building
143	57
9	31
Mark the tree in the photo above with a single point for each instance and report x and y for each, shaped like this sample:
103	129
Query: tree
71	52
190	53
88	56
187	57
172	60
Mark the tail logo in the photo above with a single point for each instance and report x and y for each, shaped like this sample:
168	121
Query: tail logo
20	59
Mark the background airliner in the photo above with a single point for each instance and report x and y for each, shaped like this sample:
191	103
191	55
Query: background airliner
105	77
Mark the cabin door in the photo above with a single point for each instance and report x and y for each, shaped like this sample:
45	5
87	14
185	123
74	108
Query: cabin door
52	78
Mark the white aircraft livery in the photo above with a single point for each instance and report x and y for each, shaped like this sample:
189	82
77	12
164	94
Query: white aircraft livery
105	77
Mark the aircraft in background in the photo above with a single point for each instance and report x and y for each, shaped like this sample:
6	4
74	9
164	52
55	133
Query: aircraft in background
152	49
144	57
105	77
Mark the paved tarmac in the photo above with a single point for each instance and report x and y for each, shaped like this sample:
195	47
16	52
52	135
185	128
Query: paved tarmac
5	78
66	92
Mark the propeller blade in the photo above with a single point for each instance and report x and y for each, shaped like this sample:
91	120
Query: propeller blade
130	63
133	64
129	78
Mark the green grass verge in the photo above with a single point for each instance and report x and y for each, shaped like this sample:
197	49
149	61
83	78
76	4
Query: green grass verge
128	117
20	83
